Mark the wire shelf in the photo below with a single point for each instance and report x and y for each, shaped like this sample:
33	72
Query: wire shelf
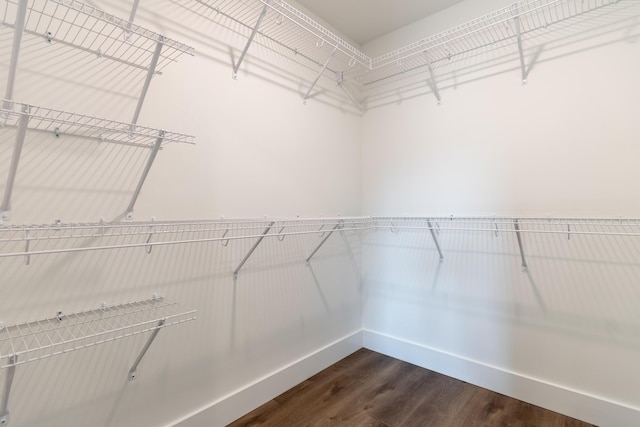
294	32
27	342
298	34
491	29
93	30
41	239
63	123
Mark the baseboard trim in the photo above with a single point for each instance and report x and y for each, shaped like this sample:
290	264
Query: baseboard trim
574	403
242	401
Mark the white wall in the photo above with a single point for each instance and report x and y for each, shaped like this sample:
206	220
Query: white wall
259	151
564	145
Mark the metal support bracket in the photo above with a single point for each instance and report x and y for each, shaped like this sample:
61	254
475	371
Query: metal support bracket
253	248
5	207
337	226
149	247
516	19
150	73
133	372
145	172
324	67
4	404
516	225
434	84
15	49
236	66
435	240
132	15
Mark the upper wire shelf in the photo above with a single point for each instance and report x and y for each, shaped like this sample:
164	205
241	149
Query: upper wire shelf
26	342
88	28
294	32
64	123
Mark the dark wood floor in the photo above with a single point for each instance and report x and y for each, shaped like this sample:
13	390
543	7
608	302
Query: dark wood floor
370	389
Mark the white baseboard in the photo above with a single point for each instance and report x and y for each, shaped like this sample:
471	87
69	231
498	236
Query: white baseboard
242	401
574	403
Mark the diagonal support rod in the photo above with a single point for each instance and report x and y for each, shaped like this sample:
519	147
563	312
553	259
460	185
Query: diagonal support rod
435	240
150	73
434	84
236	66
145	172
15	49
4	404
516	19
337	226
5	207
253	248
516	225
324	67
133	372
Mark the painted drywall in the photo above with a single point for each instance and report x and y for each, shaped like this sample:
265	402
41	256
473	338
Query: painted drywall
563	145
259	151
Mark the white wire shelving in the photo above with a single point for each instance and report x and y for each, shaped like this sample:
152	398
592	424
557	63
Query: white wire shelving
63	333
91	29
34	240
59	122
275	22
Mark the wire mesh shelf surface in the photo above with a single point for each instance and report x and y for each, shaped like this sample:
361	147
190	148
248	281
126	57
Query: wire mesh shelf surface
26	342
89	127
93	30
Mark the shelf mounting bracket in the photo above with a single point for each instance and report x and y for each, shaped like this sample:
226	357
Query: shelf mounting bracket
337	226
4	404
324	67
435	240
132	16
15	49
150	73
516	20
253	248
434	83
236	66
133	372
5	207
145	172
516	225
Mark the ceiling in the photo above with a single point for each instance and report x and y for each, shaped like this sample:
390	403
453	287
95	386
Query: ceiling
366	20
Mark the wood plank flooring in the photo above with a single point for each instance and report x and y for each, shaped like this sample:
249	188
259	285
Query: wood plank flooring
370	389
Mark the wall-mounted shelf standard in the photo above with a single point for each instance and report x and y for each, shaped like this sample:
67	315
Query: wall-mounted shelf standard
63	333
25	116
287	30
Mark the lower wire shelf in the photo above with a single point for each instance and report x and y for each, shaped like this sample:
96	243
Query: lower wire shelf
27	342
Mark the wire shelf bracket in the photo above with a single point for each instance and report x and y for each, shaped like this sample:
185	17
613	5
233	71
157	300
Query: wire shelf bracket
435	240
516	225
145	173
236	66
8	381
253	248
516	19
336	227
434	83
15	49
23	121
320	73
150	72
